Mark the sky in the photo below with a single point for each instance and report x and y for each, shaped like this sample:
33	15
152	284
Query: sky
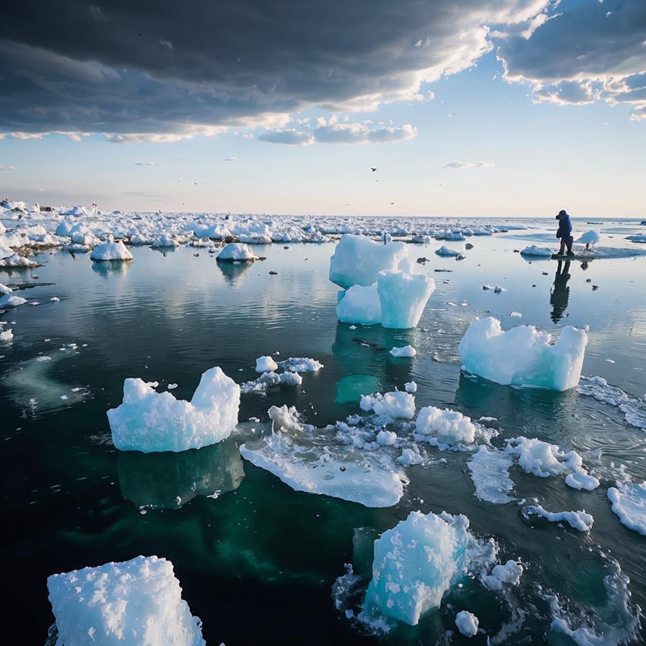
506	108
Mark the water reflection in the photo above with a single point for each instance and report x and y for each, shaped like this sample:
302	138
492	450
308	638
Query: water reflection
170	480
560	293
233	271
107	268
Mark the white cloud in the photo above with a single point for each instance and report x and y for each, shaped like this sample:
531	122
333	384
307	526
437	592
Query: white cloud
7	168
148	163
230	159
288	136
334	132
467	165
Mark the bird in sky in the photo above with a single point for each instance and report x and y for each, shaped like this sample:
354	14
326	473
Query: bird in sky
373	169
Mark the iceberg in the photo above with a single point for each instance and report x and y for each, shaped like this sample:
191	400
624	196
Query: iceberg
447	426
111	251
523	356
403	298
236	252
629	504
149	421
357	260
132	603
467	623
415	563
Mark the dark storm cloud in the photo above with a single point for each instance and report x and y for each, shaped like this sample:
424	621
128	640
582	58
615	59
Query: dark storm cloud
166	68
160	70
593	51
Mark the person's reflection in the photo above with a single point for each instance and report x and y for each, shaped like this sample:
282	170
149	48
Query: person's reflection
560	291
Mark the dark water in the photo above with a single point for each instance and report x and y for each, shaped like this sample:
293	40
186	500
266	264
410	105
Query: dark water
257	561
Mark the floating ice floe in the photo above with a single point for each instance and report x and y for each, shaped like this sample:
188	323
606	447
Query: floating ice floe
538	252
300	364
637	238
467	623
397	405
523	356
311	460
629	504
111	251
236	252
446	251
406	351
6	336
445	426
410	387
165	241
14	261
131	603
357	260
579	520
490	474
10	300
415	564
4	290
633	408
543	459
149	421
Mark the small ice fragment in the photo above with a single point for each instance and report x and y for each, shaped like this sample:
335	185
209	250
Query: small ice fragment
171	386
581	480
629	503
467	623
386	438
266	364
404	351
54	299
507	574
515	314
576	519
398	405
448	426
410	387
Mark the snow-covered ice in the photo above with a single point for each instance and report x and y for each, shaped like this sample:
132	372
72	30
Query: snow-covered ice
10	300
300	364
581	480
397	405
236	252
6	336
579	520
357	260
633	408
266	364
542	458
538	252
311	463
134	603
111	251
386	438
415	563
629	503
410	387
149	421
404	351
490	474
467	623
523	356
447	251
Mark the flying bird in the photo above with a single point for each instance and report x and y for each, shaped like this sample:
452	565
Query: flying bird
373	169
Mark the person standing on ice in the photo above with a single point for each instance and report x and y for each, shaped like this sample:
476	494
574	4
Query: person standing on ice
565	233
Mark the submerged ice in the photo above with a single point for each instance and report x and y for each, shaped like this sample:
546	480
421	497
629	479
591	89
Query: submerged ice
149	421
523	356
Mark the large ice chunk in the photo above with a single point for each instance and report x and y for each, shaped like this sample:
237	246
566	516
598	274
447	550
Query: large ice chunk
415	563
357	260
542	458
149	421
360	305
523	356
111	251
403	298
236	252
135	603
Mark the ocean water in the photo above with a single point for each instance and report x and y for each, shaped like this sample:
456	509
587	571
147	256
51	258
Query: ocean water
257	560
